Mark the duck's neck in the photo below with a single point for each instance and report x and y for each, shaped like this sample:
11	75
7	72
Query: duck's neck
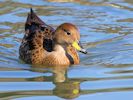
59	48
68	51
73	53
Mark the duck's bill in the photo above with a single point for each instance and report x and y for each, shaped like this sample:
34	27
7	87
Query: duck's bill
83	51
79	47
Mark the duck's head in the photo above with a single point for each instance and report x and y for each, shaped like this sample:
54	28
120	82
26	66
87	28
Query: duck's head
68	34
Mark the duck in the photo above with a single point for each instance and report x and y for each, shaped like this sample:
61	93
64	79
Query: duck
42	44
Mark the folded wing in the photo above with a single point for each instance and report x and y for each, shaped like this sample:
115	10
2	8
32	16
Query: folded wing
35	26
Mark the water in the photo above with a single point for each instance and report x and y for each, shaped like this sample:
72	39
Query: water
106	32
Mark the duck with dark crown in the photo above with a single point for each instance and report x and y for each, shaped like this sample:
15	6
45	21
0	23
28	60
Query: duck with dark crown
42	44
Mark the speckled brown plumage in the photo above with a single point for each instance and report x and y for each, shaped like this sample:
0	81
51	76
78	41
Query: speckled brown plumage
42	44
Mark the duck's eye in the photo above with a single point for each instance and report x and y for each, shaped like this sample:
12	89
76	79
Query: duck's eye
68	33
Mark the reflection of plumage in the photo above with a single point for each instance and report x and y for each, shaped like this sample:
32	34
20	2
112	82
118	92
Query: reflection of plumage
42	44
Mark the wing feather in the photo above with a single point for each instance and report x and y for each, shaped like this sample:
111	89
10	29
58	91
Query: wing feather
34	25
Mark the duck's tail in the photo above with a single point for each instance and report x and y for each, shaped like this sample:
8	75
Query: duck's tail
33	18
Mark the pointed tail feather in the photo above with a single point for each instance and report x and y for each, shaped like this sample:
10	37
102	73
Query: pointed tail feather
33	18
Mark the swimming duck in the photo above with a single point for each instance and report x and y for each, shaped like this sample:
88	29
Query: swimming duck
42	44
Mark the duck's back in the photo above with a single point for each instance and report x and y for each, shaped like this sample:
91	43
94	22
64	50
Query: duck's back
38	39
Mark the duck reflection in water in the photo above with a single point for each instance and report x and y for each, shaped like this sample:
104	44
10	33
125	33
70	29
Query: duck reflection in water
64	87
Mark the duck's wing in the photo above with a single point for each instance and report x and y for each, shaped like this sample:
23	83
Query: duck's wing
33	26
